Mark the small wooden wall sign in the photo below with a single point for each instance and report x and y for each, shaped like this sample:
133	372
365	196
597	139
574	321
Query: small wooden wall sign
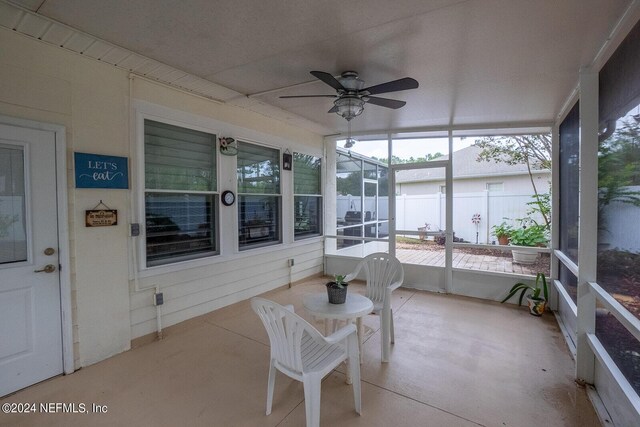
101	217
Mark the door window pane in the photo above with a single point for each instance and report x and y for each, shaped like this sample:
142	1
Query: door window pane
13	231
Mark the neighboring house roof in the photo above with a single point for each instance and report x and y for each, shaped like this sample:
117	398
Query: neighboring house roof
465	165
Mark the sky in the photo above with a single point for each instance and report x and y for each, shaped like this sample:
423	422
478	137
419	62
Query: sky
406	148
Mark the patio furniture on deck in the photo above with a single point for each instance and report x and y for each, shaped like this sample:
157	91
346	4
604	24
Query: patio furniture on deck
299	351
354	307
384	274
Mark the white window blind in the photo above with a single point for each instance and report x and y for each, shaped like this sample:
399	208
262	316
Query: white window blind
180	193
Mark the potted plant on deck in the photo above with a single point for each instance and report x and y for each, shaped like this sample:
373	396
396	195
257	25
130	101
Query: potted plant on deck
337	290
537	304
502	232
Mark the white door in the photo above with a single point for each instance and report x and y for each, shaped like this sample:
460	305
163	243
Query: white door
30	313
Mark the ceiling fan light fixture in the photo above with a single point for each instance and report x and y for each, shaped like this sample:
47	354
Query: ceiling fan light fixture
349	106
350	142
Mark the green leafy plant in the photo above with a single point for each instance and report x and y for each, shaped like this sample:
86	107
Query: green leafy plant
339	282
534	290
531	235
502	229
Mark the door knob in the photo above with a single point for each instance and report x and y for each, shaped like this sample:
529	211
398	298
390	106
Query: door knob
49	268
49	251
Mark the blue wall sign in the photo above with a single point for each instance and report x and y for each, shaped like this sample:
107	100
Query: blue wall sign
98	171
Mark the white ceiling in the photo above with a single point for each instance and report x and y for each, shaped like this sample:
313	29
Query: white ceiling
477	61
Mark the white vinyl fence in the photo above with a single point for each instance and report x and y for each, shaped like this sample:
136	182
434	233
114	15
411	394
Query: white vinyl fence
417	211
620	230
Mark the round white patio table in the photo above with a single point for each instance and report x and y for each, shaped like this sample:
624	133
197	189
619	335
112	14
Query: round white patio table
354	307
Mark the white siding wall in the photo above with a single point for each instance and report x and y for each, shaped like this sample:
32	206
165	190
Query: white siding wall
512	184
91	99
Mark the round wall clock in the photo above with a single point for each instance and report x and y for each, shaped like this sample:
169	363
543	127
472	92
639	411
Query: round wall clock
228	198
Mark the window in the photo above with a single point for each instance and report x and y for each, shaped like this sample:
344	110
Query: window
495	186
307	199
259	199
180	193
13	224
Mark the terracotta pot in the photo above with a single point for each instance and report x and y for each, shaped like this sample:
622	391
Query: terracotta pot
536	306
503	240
337	295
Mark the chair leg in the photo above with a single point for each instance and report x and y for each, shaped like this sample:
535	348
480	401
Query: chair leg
393	338
271	385
312	394
354	366
385	339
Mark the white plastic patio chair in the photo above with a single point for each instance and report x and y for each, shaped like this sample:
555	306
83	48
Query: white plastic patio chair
301	352
384	274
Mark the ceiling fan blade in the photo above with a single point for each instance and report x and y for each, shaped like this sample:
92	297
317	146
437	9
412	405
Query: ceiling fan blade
328	79
334	109
393	86
385	102
308	96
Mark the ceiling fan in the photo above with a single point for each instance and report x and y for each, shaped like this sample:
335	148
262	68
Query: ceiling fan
351	96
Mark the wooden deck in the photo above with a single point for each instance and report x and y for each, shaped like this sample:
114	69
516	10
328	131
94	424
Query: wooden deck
466	261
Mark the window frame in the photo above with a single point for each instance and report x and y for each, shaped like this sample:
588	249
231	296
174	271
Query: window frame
279	196
319	196
180	119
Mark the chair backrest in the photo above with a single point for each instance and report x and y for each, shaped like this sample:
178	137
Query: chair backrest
285	330
381	270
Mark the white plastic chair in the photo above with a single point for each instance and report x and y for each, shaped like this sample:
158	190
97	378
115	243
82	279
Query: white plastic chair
301	352
384	274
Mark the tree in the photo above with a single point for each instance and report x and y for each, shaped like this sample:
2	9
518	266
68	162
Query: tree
534	151
619	167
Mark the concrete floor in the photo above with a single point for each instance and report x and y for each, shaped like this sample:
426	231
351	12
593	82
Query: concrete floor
456	362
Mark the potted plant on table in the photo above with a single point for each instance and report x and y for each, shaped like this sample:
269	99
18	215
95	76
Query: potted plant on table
337	290
537	303
502	232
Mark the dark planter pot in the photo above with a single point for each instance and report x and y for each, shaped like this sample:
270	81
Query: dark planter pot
336	295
